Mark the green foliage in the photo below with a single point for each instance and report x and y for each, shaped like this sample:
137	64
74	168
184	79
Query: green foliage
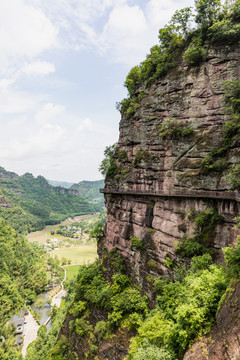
90	191
232	97
142	155
46	345
101	329
175	130
137	243
232	259
195	53
62	351
233	176
236	10
133	80
8	350
152	352
200	243
152	264
201	262
185	310
31	203
128	106
217	158
181	19
224	31
22	273
108	165
207	11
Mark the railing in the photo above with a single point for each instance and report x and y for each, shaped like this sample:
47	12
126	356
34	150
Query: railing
222	195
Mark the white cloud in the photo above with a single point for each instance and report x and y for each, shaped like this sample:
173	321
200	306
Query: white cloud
49	139
24	32
86	124
49	113
13	101
38	68
159	13
126	34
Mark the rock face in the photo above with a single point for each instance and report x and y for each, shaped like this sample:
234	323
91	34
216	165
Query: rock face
160	178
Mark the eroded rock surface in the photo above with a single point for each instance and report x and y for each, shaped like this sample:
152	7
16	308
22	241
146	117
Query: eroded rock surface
151	164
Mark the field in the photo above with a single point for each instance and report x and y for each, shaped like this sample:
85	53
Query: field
79	255
42	235
72	271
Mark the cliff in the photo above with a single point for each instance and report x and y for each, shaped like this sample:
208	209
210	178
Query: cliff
172	197
161	176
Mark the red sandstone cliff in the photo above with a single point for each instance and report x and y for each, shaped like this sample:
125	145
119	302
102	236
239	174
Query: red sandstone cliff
143	198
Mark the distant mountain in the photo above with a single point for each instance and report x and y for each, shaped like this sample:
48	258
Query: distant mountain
64	184
30	203
90	190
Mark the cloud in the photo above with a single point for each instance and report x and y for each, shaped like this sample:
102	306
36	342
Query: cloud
38	68
49	139
13	101
49	113
125	34
86	124
159	13
25	32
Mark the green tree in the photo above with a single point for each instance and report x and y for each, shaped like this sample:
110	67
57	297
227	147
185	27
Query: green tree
207	11
133	80
108	166
181	19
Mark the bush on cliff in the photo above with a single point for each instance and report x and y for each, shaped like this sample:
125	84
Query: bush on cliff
184	310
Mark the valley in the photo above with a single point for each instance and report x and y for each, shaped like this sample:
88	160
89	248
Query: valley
155	275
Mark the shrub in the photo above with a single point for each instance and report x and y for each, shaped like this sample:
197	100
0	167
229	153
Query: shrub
195	53
205	225
236	10
152	352
152	264
232	259
142	155
200	262
224	31
137	243
101	329
233	176
108	165
83	327
175	130
133	80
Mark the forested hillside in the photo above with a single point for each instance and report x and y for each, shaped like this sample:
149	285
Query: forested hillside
64	184
30	203
90	190
22	276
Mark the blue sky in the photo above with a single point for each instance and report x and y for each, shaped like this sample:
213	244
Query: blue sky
62	68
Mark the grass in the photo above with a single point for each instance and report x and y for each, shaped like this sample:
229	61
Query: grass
72	271
79	255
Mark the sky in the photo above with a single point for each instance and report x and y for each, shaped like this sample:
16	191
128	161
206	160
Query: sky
63	64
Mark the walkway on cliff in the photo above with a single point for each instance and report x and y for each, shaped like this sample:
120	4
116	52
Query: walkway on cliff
204	194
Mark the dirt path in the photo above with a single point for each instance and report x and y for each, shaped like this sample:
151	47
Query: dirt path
30	332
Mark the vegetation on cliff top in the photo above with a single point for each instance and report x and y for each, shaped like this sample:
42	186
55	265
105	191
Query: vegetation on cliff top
215	24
